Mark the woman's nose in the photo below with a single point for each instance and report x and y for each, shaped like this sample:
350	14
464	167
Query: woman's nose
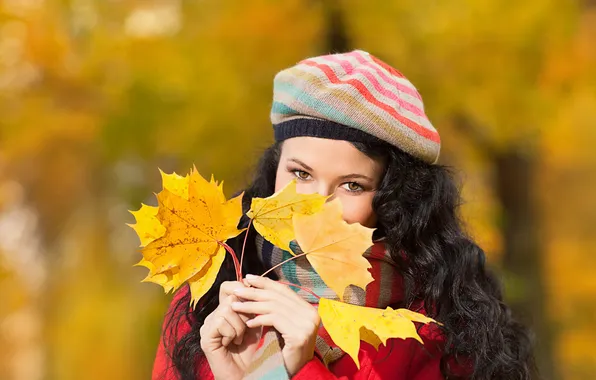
317	187
326	190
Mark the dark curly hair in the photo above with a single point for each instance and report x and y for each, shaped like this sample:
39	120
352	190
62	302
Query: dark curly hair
416	205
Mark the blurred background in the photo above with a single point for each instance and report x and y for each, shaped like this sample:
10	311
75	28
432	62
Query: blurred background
95	95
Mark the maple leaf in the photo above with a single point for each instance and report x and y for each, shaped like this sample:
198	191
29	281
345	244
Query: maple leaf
175	183
196	219
348	324
201	282
148	227
334	248
166	279
272	216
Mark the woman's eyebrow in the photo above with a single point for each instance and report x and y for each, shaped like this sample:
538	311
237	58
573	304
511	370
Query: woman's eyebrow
300	163
354	176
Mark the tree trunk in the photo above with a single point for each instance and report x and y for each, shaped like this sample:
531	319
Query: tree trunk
523	251
514	172
336	36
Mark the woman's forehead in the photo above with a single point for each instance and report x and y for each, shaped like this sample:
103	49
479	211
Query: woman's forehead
337	155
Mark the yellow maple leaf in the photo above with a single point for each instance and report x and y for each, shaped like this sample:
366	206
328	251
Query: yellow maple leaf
175	183
196	219
348	324
218	184
272	216
202	281
334	248
148	227
178	185
166	279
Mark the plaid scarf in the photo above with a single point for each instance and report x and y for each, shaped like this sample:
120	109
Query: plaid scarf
385	290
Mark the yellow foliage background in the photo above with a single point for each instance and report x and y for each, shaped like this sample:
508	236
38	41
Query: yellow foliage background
96	94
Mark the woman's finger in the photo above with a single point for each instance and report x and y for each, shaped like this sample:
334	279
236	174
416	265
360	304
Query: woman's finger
298	330
261	282
282	300
237	321
227	288
274	286
297	315
281	324
248	307
254	294
265	283
229	300
222	329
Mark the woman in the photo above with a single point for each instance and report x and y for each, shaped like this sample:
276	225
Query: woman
350	126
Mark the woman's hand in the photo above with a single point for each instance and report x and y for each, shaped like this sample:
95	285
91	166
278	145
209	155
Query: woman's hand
278	306
226	340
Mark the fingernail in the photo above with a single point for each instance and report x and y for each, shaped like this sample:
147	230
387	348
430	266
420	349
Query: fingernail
250	276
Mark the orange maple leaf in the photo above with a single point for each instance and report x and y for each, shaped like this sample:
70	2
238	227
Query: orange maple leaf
272	216
183	236
348	324
334	248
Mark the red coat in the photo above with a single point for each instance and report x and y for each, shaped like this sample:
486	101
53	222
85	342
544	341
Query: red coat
399	359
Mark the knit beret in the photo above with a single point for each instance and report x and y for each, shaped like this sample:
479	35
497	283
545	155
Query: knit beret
352	96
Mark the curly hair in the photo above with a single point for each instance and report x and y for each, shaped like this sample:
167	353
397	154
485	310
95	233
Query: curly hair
417	210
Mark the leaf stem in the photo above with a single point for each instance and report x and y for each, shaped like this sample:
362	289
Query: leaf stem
244	246
300	287
283	262
234	258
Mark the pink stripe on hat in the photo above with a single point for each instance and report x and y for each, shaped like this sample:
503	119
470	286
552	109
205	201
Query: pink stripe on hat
385	91
341	94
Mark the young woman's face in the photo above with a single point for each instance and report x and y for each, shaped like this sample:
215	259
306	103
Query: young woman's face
332	167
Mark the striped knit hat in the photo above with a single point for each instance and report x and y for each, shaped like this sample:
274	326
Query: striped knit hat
352	96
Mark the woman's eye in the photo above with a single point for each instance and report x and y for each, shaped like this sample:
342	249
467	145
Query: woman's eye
353	187
301	174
